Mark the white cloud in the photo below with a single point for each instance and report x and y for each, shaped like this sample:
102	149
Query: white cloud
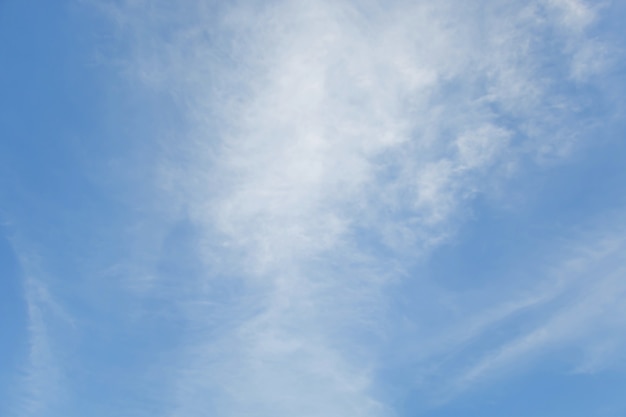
575	15
309	125
44	383
576	305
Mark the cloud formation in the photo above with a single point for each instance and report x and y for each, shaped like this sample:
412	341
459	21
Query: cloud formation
326	147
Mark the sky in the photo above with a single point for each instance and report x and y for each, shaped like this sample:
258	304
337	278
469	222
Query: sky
312	208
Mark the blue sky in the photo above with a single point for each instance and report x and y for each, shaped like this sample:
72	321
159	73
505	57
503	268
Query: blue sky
312	208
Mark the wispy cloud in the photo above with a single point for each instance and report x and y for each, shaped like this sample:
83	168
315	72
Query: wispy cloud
43	385
575	304
327	145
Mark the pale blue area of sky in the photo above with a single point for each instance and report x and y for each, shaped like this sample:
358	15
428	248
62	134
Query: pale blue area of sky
81	222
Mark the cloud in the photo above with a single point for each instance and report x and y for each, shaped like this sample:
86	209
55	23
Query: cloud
43	384
569	305
322	148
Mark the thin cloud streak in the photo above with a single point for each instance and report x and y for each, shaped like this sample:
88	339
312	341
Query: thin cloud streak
576	304
43	385
318	136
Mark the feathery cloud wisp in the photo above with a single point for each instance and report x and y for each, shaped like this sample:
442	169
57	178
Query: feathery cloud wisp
326	146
